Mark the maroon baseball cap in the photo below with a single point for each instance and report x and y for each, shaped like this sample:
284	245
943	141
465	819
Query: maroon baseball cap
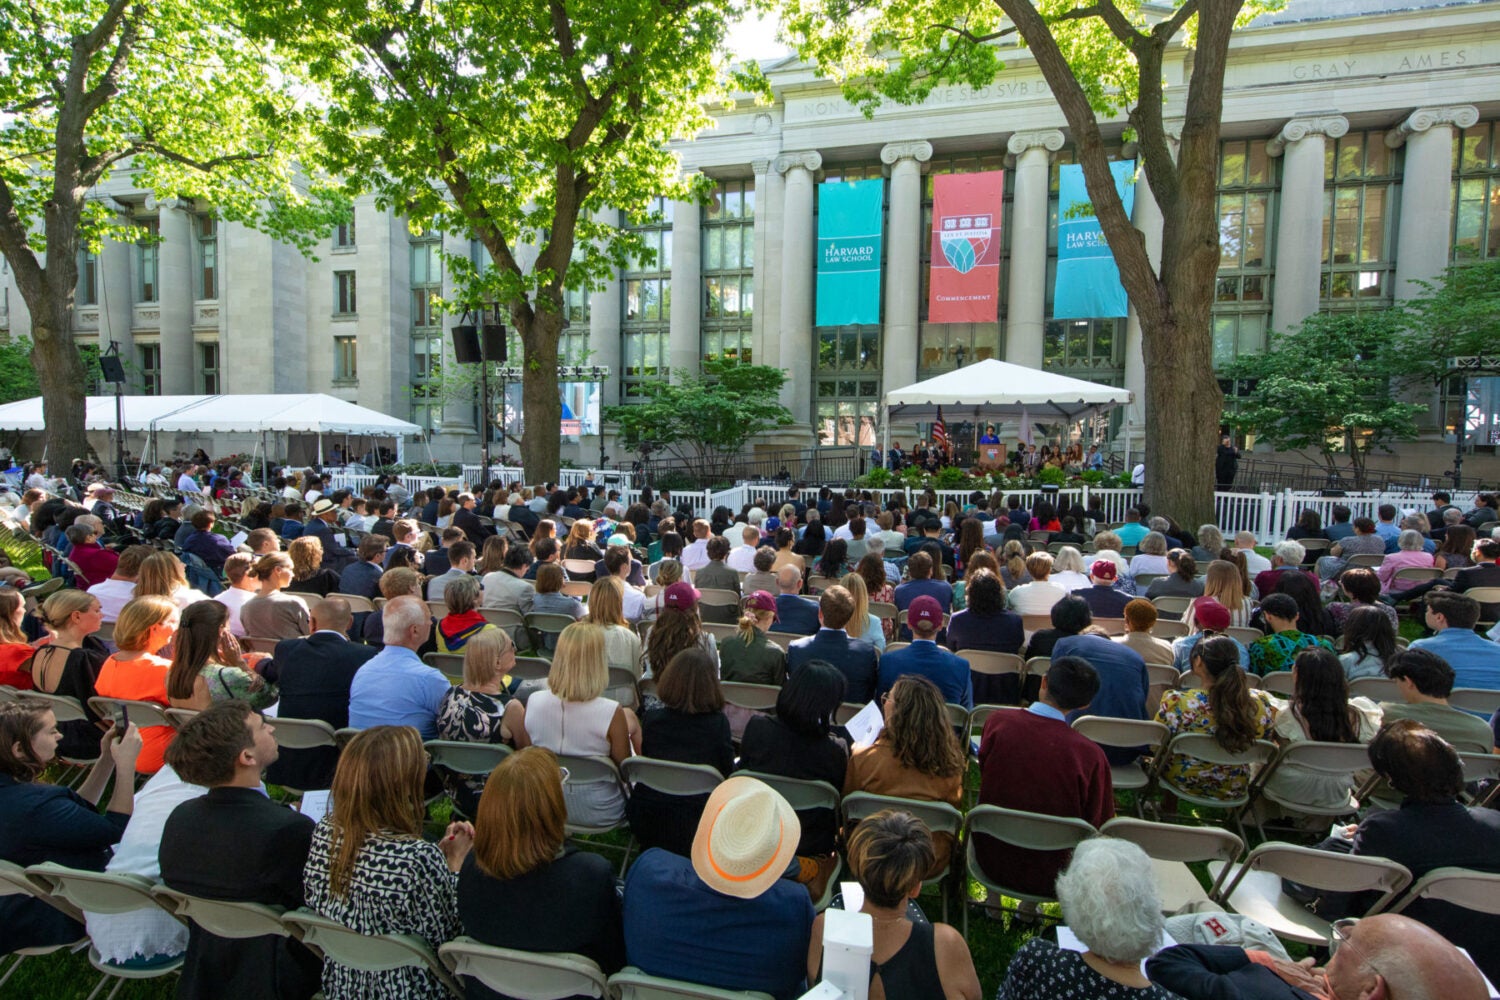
681	595
1210	614
1104	569
762	601
925	609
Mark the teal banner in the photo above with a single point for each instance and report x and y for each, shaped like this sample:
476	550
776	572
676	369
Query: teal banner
849	231
1088	280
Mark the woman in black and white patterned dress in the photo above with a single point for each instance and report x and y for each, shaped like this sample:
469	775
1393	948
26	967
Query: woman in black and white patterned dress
481	709
370	869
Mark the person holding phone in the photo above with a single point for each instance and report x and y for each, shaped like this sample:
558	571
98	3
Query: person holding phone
44	822
138	672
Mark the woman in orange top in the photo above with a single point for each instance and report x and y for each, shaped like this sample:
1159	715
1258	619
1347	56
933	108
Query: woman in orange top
137	673
14	649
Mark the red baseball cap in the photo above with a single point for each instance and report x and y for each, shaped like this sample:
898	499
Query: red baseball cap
925	609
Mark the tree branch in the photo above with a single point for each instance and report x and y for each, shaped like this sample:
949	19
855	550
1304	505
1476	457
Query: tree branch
970	36
13	244
109	84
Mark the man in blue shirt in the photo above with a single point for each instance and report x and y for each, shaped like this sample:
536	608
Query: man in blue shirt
1475	660
395	688
1386	527
1123	682
726	917
925	657
794	613
1132	531
856	659
212	548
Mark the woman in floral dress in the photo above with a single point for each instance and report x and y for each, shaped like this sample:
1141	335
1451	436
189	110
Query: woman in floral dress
1224	706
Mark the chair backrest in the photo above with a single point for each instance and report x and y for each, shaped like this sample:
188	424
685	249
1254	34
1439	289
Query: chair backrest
1034	623
1370	560
1163	673
983	661
1478	891
367	952
578	567
623	687
817	583
583	770
356	602
633	984
981	713
303	734
142	713
1314	544
670	777
223	918
525	975
466	758
716	598
1277	682
782	639
543	622
847	711
1036	666
577	588
882	610
531	668
721	630
1327	870
1479	700
1418	574
1203	746
64	708
1166	628
1175	842
940	817
308	600
756	697
503	618
439	609
451	665
1481	766
1145	580
75	891
1032	831
1112	732
1243	635
800	793
1375	688
1110	626
891	647
1172	605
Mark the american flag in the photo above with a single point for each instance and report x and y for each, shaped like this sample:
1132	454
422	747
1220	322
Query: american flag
940	433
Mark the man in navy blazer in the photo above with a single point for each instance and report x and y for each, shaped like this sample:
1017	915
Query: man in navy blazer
794	613
336	555
856	659
924	656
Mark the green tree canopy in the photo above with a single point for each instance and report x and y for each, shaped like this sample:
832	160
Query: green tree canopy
528	125
1100	59
704	420
1456	317
1330	386
169	90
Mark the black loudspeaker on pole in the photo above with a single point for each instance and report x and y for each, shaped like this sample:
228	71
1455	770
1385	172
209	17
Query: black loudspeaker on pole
466	345
111	368
494	343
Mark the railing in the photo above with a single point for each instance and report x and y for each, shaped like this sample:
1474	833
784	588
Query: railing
819	465
1274	477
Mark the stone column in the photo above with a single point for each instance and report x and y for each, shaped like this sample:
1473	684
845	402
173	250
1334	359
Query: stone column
797	262
1426	192
684	341
903	262
769	188
116	298
1427	216
1026	308
1299	226
604	337
175	295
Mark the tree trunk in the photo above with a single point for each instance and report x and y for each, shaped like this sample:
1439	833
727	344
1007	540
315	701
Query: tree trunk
54	353
542	438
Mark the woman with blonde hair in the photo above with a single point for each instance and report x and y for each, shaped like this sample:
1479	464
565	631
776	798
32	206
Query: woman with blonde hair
370	869
580	542
207	664
68	662
308	574
572	717
523	863
748	657
1224	584
270	613
916	755
606	608
492	557
481	709
162	575
1038	596
138	672
1013	571
862	624
1068	571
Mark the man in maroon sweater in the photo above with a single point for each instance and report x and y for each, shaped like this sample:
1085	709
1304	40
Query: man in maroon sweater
1034	761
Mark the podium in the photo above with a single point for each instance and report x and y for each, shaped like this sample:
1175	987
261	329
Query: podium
991	456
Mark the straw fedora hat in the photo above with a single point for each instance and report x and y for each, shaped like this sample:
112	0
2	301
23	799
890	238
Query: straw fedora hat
746	839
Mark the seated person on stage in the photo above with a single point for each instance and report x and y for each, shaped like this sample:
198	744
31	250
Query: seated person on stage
726	917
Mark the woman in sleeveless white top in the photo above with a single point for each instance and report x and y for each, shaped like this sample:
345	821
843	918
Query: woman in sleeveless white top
579	728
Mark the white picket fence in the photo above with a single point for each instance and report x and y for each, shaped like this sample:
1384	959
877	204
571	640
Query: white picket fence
1268	515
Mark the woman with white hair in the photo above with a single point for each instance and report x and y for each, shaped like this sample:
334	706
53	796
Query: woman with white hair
1068	571
1409	554
1109	900
1150	556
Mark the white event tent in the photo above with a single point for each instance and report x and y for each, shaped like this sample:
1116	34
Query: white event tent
993	389
304	413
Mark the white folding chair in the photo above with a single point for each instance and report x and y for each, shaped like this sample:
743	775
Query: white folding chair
1472	890
633	984
1171	848
1278	682
1254	890
1204	747
669	777
450	665
15	881
524	975
1375	688
1016	828
368	952
1125	734
1331	760
1477	700
804	796
940	817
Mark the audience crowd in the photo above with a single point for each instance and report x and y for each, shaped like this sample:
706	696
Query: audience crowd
691	680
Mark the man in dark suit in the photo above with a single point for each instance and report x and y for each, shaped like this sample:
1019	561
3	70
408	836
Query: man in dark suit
314	675
794	613
467	520
856	659
1484	573
336	555
385	519
440	560
524	518
430	509
924	656
236	844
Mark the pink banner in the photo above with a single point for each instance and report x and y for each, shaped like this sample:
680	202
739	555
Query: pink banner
965	285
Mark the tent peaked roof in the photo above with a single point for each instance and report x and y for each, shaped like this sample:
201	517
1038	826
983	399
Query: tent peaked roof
307	413
999	387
